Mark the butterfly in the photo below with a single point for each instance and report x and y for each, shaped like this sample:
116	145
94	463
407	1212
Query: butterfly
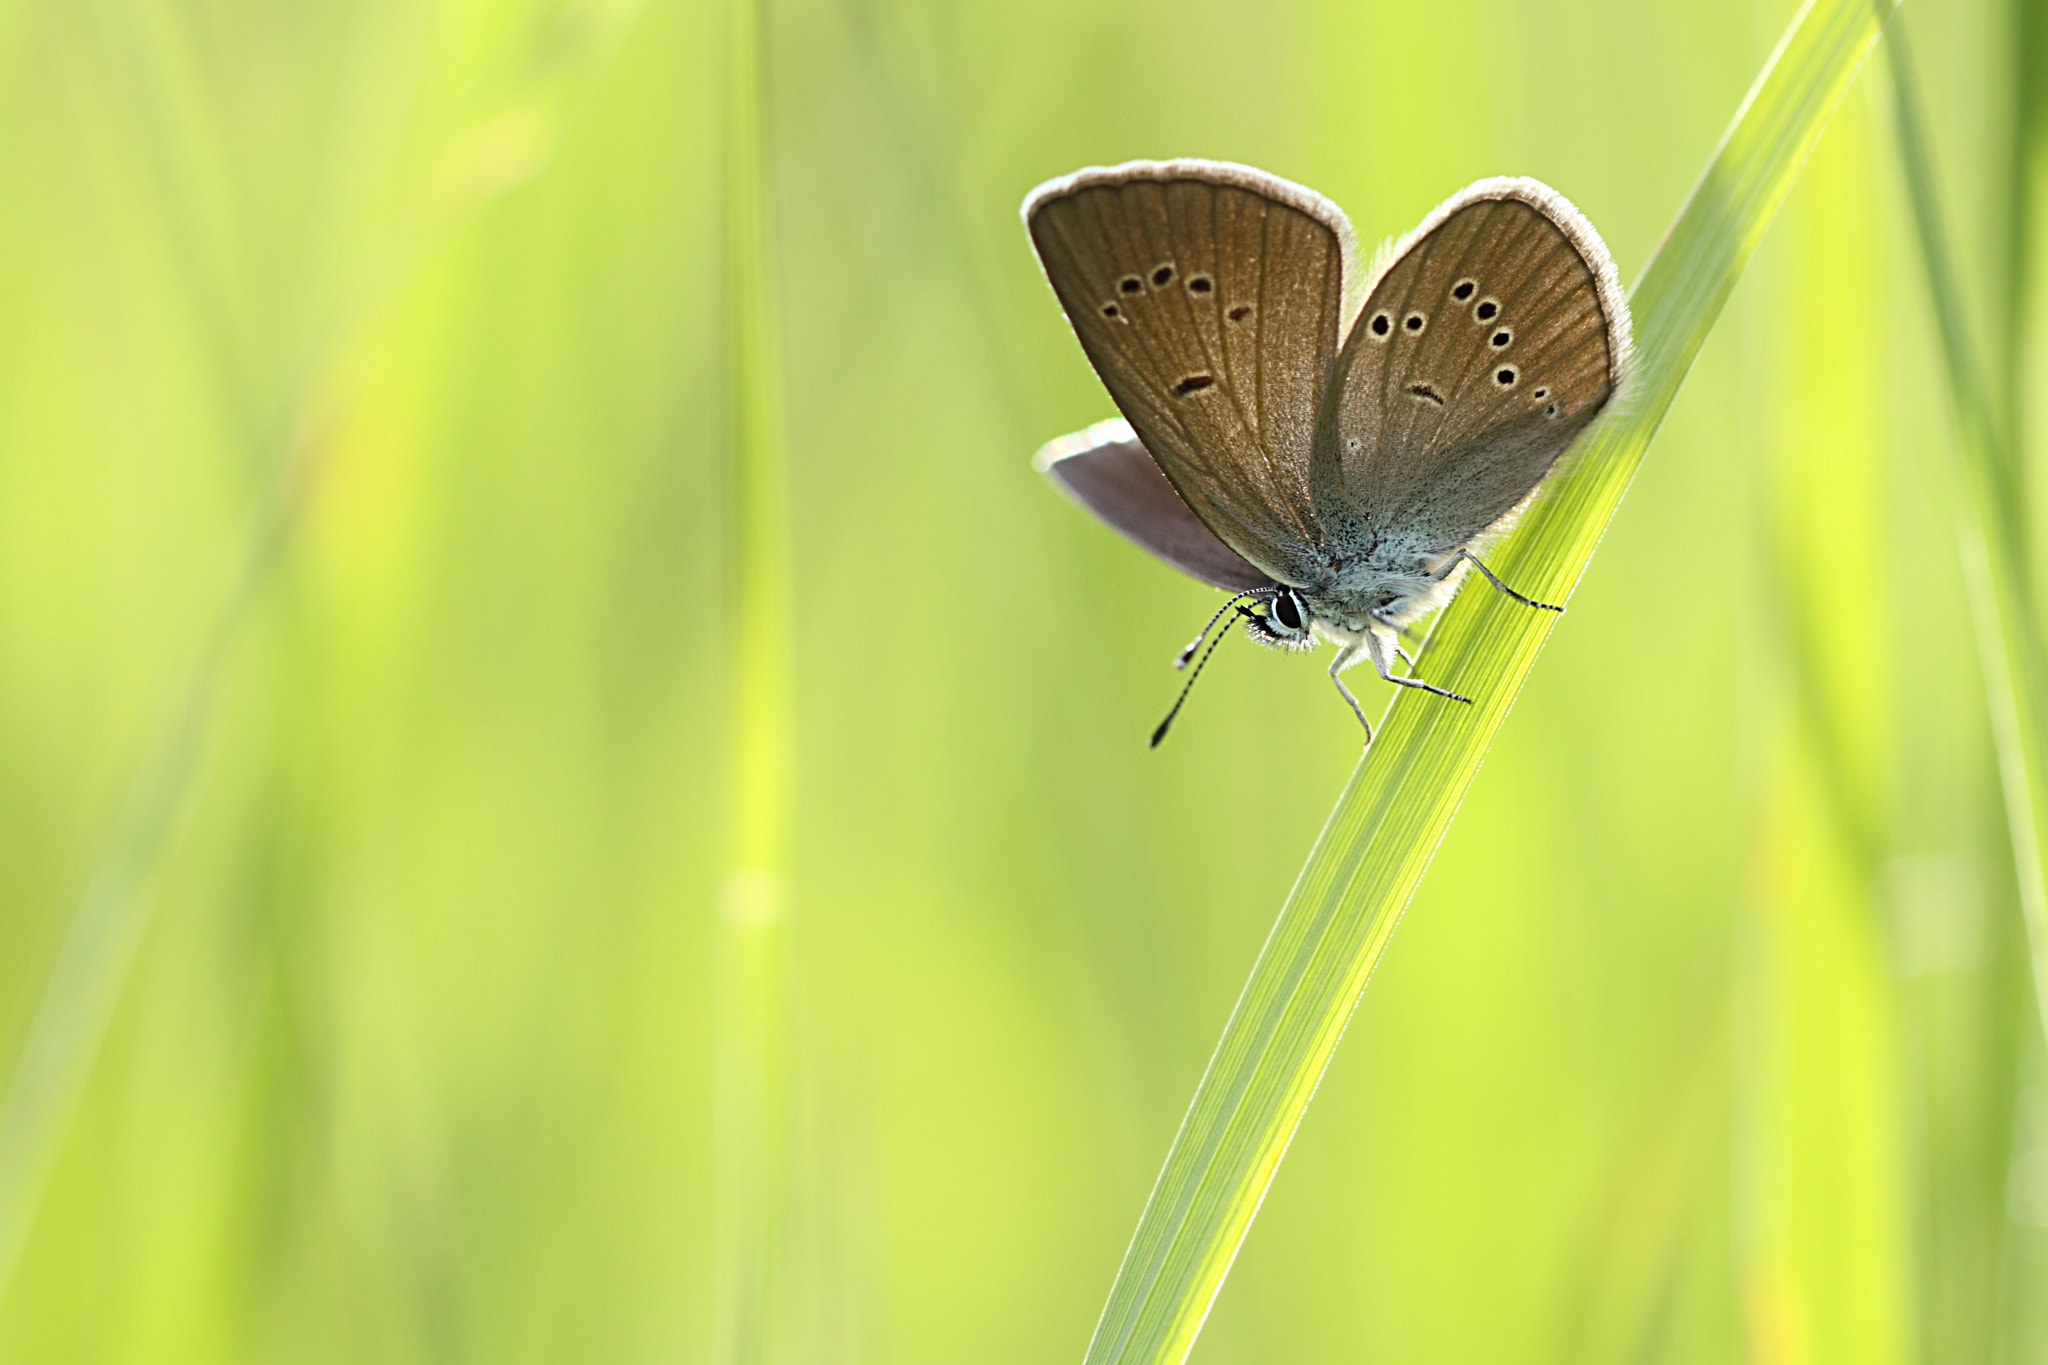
1336	475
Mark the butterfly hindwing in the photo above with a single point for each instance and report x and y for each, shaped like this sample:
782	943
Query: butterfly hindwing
1107	470
1208	296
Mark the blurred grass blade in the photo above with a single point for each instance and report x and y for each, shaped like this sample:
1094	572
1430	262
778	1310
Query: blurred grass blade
1986	506
49	1076
749	1039
92	966
1400	800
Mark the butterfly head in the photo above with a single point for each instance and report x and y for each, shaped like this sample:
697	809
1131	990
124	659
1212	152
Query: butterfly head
1285	624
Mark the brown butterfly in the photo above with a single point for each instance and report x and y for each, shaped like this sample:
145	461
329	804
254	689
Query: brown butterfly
1337	477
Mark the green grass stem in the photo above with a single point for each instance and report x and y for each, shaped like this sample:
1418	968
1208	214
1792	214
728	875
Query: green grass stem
750	1040
1400	800
1988	533
86	981
106	931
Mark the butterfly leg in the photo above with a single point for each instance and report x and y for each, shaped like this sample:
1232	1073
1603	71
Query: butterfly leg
1525	601
1347	656
1400	633
1379	661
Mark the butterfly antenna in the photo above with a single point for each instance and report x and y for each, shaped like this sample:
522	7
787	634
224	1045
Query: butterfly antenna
1181	660
1181	700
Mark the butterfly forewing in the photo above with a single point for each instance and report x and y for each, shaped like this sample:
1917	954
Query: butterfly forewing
1208	297
1481	351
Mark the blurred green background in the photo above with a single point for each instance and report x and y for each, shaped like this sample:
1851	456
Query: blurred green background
362	378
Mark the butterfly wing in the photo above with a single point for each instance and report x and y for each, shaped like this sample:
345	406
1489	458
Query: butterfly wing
1208	296
1107	470
1495	333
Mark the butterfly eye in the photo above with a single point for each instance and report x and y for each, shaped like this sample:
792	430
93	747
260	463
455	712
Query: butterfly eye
1381	324
1462	290
1286	611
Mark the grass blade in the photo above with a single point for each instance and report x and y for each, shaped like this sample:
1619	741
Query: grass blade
1394	811
105	932
750	1042
113	916
1986	508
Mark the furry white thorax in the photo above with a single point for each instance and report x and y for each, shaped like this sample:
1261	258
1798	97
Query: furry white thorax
1369	599
1364	611
1378	594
